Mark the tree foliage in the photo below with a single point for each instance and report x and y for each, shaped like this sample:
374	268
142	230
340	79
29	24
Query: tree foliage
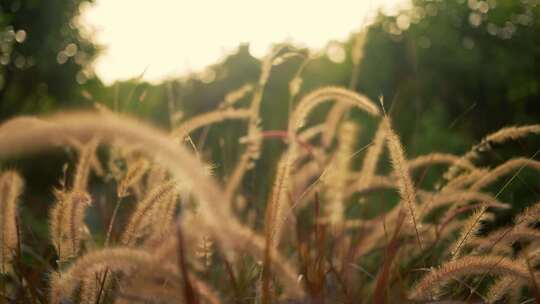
44	55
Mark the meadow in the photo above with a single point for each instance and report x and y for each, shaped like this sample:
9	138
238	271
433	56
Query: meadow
192	237
398	166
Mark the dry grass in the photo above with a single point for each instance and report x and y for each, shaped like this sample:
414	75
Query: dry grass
182	231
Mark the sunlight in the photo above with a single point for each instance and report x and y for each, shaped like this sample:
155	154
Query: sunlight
165	38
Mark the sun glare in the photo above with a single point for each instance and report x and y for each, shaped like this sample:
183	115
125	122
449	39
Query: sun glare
167	38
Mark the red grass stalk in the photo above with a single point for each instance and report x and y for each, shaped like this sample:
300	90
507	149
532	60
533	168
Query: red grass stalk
232	278
190	295
284	136
381	286
312	268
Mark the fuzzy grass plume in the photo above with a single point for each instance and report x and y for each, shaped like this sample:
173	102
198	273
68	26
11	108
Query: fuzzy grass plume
11	186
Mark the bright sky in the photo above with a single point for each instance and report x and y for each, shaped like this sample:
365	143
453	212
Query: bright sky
165	38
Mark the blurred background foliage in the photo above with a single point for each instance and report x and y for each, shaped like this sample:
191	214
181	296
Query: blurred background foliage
449	72
44	56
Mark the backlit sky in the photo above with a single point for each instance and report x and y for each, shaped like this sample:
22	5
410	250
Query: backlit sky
164	38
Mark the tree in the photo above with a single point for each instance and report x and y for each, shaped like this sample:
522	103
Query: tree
477	58
44	55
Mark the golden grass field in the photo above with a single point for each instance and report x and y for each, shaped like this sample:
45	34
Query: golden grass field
193	237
